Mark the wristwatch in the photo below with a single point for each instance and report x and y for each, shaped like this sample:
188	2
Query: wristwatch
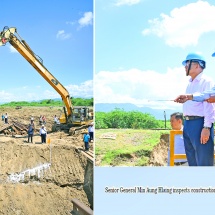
208	128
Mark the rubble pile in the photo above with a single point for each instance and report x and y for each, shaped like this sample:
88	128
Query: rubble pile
14	128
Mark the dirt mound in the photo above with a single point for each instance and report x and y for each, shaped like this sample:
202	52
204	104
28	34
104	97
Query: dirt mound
159	154
24	115
40	178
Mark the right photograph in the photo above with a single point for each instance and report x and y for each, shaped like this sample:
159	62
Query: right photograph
154	83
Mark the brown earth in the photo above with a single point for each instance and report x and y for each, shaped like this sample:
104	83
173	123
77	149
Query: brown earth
159	154
51	175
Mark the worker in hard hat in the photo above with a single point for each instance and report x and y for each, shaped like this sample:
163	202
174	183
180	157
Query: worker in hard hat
199	117
208	95
43	134
86	139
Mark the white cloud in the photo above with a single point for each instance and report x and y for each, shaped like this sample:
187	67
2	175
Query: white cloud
141	88
184	26
5	96
84	90
12	49
26	93
50	94
126	2
62	35
87	19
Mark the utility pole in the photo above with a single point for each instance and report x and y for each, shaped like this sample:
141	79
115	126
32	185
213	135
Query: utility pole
164	118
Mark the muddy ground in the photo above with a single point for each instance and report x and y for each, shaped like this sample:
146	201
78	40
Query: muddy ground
40	178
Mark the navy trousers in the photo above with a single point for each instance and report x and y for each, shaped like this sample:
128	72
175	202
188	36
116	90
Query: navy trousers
198	154
86	144
91	135
30	138
43	138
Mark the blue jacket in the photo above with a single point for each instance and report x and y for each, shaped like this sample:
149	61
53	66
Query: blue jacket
30	129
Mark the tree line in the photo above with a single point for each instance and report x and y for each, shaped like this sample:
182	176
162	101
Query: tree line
50	102
119	118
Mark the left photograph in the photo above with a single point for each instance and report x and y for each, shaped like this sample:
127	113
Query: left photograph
46	104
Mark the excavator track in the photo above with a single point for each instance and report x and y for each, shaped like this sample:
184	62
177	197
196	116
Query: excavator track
77	130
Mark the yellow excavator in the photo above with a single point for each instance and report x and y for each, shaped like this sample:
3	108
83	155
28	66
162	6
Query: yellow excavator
73	118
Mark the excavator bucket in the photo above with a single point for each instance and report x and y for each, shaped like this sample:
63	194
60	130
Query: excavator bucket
5	35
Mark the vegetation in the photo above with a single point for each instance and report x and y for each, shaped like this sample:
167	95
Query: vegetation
133	119
136	134
130	148
50	102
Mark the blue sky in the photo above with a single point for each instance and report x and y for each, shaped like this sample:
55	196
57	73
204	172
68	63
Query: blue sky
61	33
140	45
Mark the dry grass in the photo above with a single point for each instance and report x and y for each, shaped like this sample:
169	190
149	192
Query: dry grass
130	148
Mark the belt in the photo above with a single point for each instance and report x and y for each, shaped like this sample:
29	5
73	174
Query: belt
192	117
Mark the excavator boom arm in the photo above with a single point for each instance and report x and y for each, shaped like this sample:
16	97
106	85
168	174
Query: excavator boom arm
22	47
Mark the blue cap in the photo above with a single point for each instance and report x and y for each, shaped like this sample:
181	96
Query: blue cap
195	57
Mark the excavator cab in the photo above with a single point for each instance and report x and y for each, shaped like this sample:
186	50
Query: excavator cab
80	115
80	118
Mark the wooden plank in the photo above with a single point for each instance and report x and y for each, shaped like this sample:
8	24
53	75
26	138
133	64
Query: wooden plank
108	136
80	208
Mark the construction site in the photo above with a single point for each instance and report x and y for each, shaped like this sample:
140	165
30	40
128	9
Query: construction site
51	178
55	177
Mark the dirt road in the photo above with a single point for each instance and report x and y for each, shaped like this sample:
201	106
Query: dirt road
40	178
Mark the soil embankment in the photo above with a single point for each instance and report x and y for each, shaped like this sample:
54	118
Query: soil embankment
159	154
40	178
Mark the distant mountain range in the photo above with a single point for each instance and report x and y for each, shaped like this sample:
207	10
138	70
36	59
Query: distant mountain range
157	113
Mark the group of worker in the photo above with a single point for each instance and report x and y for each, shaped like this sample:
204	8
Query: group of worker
198	112
5	118
42	120
88	136
31	129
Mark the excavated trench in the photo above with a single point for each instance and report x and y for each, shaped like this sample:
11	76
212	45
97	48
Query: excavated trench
40	179
33	180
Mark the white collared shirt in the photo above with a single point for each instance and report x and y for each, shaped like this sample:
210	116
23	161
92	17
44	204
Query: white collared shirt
205	109
91	129
43	130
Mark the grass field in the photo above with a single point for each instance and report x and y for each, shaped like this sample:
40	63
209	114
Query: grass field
130	148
